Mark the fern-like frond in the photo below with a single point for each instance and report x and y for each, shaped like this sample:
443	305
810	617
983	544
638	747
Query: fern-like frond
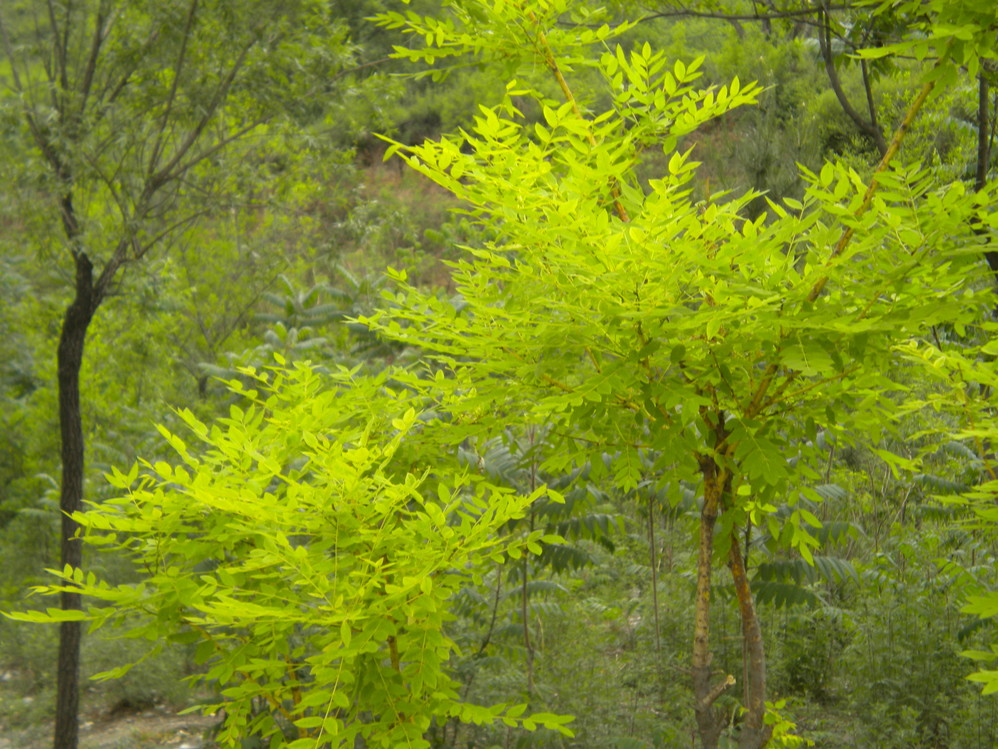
563	557
825	569
939	484
836	530
782	594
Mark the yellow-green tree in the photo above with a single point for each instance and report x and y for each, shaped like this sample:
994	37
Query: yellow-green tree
308	545
626	318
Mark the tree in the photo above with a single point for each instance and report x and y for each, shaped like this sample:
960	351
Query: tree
128	106
626	319
309	546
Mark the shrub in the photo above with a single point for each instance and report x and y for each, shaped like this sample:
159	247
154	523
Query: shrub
308	550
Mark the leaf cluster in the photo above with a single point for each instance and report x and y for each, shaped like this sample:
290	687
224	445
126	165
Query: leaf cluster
311	567
633	317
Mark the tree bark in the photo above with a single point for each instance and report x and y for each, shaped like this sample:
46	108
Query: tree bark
754	733
70	359
984	155
983	131
710	722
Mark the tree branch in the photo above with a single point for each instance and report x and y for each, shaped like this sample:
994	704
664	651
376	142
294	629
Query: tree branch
157	178
59	47
41	140
755	404
178	70
721	16
109	94
825	45
96	44
711	697
872	108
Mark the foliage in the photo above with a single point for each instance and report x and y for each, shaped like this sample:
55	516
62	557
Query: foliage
965	390
620	315
126	107
906	632
311	568
611	305
527	292
783	729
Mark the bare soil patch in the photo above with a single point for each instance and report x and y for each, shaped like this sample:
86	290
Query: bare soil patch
154	728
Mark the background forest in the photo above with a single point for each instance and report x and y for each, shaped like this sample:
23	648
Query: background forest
510	361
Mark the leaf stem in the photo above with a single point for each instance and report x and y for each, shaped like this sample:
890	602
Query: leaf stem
552	64
757	403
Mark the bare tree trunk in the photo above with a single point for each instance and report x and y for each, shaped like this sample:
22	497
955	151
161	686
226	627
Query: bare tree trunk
984	153
754	733
710	722
76	86
983	131
70	359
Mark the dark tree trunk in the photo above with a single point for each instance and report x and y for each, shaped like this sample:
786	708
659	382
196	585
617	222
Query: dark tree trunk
984	156
70	358
80	84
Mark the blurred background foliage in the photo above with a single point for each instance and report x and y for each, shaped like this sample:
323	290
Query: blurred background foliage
866	647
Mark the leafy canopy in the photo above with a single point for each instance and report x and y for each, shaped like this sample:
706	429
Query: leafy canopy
310	561
637	318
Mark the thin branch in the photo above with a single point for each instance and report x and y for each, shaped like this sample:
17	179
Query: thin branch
755	405
8	50
109	94
825	45
101	30
552	65
110	269
721	16
41	140
91	64
356	68
42	39
209	152
161	176
871	107
782	395
885	161
178	70
120	256
109	181
141	249
61	53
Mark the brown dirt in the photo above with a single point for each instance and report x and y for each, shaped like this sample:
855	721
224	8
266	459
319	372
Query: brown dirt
148	729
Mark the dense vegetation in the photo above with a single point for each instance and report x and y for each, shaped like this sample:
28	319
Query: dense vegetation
526	374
